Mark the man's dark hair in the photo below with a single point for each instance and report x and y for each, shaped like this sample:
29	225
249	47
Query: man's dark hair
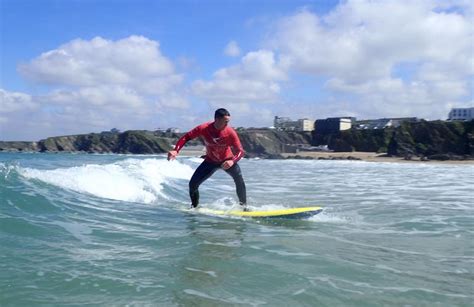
221	113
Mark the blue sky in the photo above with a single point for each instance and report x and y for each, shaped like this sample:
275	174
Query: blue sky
195	29
72	67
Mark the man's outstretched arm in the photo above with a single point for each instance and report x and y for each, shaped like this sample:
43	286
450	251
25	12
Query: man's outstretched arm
182	141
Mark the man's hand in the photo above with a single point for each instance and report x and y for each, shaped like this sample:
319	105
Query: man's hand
172	155
227	164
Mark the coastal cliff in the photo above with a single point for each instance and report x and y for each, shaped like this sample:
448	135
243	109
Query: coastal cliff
129	142
433	140
355	140
266	143
18	146
437	140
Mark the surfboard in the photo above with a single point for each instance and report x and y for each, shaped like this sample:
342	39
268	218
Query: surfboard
288	213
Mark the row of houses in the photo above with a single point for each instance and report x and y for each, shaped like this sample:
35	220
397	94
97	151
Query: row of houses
286	124
334	124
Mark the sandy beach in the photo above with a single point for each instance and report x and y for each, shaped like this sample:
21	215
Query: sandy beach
356	155
368	156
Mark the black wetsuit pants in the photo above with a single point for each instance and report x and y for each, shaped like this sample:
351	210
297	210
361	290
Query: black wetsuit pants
205	170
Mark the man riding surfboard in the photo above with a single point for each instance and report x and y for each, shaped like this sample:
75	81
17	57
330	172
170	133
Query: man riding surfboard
223	151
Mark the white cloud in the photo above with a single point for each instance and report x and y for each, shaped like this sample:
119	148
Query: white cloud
359	45
232	49
15	101
126	75
172	100
99	61
375	58
254	80
103	97
361	40
96	84
11	104
159	85
379	58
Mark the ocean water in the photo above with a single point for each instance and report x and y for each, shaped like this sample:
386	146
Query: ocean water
79	229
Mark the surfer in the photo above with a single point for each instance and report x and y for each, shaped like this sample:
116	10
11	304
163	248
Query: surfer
223	151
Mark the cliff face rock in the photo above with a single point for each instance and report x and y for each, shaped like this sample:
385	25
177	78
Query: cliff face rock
18	146
135	142
85	142
88	142
432	139
355	140
141	142
424	138
270	143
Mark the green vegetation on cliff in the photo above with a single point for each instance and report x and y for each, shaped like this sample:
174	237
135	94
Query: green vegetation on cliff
18	146
424	138
134	141
270	143
142	142
355	140
432	138
435	139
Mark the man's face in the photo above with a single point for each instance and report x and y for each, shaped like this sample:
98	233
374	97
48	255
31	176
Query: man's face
221	122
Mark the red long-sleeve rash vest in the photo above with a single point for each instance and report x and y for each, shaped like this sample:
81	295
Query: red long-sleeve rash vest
221	145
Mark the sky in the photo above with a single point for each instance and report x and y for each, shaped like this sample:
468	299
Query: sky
73	67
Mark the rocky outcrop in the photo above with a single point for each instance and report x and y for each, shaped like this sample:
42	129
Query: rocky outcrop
142	142
430	140
433	139
263	143
18	146
355	140
427	139
133	142
87	142
266	143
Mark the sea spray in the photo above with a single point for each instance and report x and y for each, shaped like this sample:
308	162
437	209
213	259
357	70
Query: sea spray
129	180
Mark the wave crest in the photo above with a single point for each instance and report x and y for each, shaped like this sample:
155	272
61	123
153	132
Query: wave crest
130	180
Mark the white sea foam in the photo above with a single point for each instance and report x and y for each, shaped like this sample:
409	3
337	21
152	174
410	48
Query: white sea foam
6	169
235	243
230	300
324	217
132	180
336	282
287	253
79	231
210	273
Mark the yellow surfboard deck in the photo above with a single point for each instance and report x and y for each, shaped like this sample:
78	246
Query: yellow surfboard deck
290	213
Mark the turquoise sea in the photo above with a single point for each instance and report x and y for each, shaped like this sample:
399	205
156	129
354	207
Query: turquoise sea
81	229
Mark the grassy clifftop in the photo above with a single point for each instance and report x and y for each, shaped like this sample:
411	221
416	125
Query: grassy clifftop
433	138
270	143
134	142
423	138
355	140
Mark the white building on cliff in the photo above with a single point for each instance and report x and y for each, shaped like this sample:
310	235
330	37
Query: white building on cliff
461	114
286	124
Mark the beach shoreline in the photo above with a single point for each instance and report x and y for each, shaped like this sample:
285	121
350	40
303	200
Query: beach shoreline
198	151
366	156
